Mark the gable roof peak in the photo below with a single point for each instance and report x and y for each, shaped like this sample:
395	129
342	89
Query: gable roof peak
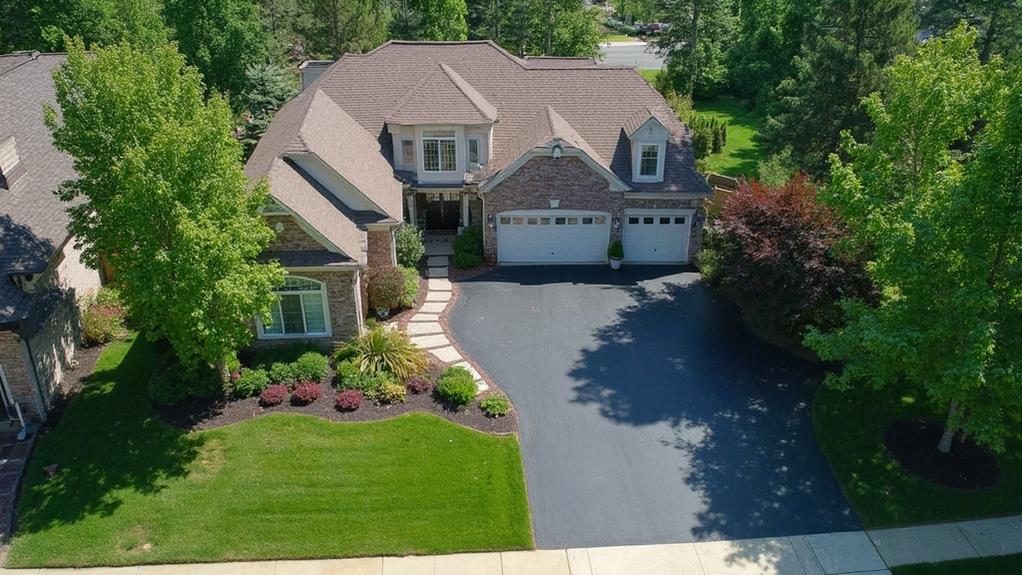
443	97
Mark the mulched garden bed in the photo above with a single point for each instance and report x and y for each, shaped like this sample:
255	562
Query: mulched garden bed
210	414
913	444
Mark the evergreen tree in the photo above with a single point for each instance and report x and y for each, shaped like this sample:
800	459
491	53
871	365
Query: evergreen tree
850	42
269	88
406	23
332	28
999	23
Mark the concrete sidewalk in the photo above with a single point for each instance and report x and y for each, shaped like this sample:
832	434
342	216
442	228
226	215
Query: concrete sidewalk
853	552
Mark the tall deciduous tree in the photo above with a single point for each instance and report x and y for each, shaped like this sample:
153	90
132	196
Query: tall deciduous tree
947	239
43	24
442	19
221	38
696	43
848	45
162	194
332	28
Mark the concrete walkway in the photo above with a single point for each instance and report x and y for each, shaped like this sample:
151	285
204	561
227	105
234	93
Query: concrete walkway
424	327
855	552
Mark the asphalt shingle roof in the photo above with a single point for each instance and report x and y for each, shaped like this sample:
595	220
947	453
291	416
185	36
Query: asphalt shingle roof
33	220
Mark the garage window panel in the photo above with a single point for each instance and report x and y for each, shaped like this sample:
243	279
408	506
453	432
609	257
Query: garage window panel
647	221
633	220
679	220
587	221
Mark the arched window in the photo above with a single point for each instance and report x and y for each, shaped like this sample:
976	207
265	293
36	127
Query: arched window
300	310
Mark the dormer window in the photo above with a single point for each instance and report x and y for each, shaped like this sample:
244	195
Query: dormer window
649	162
439	151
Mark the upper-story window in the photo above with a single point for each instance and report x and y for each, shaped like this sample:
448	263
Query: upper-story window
473	151
649	160
408	152
439	151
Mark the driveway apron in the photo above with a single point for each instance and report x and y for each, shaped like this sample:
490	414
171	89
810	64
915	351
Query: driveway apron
649	413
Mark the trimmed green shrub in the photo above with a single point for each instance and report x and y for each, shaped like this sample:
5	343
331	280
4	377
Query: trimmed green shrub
370	384
456	386
311	366
408	245
495	406
391	392
385	351
175	382
386	286
342	352
283	374
411	287
616	250
251	382
103	317
468	248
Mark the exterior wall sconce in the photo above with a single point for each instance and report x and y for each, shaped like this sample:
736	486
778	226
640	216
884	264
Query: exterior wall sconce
554	204
558	150
491	222
616	222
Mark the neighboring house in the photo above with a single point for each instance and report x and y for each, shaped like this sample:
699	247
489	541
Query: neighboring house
553	158
42	278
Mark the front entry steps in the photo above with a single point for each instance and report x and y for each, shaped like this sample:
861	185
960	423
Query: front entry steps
425	328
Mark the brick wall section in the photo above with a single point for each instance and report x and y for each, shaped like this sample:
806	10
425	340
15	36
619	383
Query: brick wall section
380	248
577	187
16	370
293	237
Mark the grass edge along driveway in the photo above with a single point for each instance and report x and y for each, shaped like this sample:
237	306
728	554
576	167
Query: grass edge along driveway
131	490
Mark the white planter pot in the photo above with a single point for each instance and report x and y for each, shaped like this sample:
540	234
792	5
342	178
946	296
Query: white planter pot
615	264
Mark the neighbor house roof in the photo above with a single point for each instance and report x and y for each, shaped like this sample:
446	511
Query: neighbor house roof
596	101
33	220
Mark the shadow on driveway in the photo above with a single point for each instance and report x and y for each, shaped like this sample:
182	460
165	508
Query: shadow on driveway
649	413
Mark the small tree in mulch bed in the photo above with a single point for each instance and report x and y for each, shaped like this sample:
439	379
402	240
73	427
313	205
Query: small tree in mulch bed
967	466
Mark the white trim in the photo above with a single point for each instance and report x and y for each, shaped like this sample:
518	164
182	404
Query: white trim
420	133
651	118
8	396
359	313
616	184
306	335
665	196
315	157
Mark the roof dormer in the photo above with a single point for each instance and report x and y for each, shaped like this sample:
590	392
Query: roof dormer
649	138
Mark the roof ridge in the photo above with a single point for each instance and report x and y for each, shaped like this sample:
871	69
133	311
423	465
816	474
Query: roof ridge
482	105
500	49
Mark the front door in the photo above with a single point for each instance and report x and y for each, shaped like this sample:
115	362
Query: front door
443	211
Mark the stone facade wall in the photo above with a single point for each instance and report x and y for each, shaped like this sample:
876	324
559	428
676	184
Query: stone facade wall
577	187
293	237
380	248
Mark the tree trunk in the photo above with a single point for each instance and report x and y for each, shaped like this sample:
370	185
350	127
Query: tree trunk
221	369
949	432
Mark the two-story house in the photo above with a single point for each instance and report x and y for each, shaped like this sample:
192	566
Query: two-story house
553	158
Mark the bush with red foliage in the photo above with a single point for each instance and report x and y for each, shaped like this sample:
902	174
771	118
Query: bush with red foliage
273	395
305	393
417	384
350	400
785	256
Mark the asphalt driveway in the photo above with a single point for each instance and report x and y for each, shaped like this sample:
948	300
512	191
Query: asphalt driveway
648	412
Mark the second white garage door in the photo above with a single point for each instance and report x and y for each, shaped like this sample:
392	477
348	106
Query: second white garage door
552	236
657	236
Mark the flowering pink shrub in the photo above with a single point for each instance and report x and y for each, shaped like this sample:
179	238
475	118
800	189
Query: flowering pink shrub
273	395
418	384
349	400
305	392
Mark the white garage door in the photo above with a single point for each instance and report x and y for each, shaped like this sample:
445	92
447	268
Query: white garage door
552	236
656	236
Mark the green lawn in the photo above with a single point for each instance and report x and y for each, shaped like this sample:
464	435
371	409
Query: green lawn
618	37
130	489
1007	565
650	75
744	147
849	427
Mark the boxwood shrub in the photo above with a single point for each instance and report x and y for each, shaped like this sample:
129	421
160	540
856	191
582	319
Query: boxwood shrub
468	248
250	382
456	386
311	366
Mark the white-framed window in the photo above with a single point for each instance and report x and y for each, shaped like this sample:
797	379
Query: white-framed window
300	310
439	151
649	160
473	151
408	152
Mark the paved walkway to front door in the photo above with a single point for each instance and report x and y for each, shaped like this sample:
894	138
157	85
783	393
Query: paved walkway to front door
854	552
